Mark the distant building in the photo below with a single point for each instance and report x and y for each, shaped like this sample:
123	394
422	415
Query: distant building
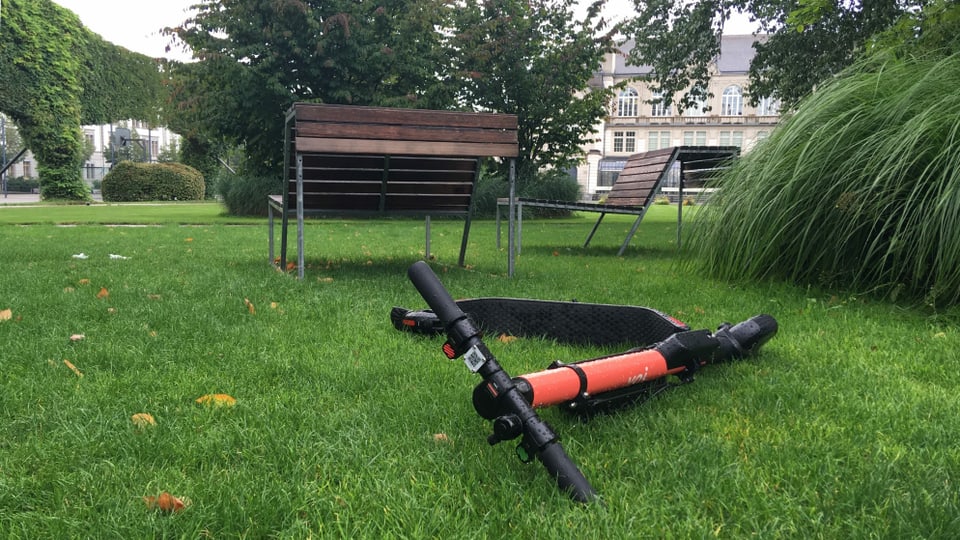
146	143
638	122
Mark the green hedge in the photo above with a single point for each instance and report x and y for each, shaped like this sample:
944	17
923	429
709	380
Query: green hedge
128	181
246	194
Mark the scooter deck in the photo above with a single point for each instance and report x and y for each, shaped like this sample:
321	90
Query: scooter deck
572	322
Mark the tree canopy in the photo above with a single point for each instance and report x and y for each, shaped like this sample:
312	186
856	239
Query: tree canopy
57	75
809	41
258	57
533	59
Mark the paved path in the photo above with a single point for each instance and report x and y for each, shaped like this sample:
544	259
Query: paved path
28	198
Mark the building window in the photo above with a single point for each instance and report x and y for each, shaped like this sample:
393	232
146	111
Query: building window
609	171
768	107
731	103
694	138
658	139
657	105
731	138
627	102
624	141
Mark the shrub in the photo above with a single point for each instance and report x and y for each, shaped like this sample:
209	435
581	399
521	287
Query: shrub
22	185
246	194
553	185
490	188
128	181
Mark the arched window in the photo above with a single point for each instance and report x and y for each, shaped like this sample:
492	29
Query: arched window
657	106
627	102
731	103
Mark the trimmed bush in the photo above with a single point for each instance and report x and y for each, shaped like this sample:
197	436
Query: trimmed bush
128	181
246	195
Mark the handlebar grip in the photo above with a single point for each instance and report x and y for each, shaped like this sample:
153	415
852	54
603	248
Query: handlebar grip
569	478
433	292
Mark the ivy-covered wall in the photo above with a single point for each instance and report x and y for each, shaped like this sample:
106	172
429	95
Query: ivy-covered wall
55	75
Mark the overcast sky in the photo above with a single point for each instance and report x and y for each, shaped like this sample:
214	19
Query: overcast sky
136	24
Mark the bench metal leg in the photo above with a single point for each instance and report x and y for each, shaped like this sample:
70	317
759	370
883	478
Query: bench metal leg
426	226
300	216
463	242
498	225
511	256
633	230
595	225
270	229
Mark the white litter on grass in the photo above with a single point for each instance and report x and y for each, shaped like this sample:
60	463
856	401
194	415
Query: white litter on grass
81	256
115	256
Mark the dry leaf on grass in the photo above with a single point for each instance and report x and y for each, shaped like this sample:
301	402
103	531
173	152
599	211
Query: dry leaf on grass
104	293
250	308
77	337
504	338
217	400
73	368
165	503
142	420
6	314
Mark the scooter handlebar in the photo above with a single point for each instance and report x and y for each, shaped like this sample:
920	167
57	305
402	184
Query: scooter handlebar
428	285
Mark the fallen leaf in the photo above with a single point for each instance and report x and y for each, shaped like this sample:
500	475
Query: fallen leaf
111	310
217	400
6	314
504	338
142	420
77	337
153	296
73	368
250	307
84	281
104	293
188	240
325	280
441	437
556	253
68	289
291	266
165	502
274	305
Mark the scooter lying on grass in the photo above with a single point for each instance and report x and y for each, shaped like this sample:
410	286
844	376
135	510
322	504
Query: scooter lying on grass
588	386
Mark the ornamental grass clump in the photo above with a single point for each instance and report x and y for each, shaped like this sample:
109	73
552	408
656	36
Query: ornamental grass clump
859	189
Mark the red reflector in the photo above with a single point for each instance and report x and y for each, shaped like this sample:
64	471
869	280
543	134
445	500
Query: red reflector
448	351
409	322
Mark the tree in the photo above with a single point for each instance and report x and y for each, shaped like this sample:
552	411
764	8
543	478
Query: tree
56	75
258	57
532	58
809	41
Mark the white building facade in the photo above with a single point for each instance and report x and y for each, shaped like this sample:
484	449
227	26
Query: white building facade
148	143
639	122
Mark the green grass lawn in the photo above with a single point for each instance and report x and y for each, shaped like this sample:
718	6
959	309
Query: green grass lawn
845	426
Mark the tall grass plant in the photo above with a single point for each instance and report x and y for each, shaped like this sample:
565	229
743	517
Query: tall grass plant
859	189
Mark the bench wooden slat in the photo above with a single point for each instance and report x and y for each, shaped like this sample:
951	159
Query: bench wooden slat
424	148
309	112
405	133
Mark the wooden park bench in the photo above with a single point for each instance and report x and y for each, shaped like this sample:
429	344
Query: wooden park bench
634	191
374	161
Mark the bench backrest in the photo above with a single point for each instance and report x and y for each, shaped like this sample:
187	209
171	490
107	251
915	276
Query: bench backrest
644	173
381	160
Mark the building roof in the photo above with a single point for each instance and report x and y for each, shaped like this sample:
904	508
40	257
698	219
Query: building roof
736	52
